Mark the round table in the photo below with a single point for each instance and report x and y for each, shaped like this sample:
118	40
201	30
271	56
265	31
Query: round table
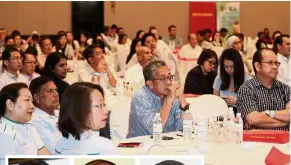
217	154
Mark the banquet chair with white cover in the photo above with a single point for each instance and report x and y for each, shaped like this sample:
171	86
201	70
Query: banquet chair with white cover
207	106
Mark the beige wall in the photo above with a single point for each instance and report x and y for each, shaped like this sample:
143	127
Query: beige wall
254	16
45	17
49	17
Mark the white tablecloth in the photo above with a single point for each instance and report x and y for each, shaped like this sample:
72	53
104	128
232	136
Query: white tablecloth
217	154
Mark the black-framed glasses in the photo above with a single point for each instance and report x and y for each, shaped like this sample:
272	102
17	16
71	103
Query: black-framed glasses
272	63
212	63
100	105
170	78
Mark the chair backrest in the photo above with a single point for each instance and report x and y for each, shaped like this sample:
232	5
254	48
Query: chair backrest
207	106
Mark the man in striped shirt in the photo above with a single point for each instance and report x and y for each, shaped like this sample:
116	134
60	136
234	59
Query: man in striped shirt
263	101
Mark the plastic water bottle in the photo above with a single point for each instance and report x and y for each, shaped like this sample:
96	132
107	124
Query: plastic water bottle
230	116
238	129
230	126
157	128
187	126
202	134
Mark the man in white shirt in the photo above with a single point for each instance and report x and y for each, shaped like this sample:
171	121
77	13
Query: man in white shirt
282	43
134	75
46	48
191	50
12	63
29	63
106	35
96	68
45	115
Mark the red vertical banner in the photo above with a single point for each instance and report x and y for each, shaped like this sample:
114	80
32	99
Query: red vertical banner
202	15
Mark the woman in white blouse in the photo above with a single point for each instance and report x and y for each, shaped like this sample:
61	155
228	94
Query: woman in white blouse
83	113
15	112
74	43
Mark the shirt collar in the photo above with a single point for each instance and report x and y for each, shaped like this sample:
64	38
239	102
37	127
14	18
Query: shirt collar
153	94
258	83
89	68
281	57
85	135
9	121
43	114
11	75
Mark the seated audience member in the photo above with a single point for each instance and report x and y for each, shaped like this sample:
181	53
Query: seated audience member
223	34
235	43
74	43
29	64
12	63
83	113
96	68
83	41
200	79
108	41
132	58
200	37
19	45
159	95
160	44
267	39
139	34
276	34
282	44
191	50
56	68
15	113
206	44
34	41
216	39
119	31
45	115
121	54
149	40
231	77
63	47
46	49
173	41
134	75
263	101
8	41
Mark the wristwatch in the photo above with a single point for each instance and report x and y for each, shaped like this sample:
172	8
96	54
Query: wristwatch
270	113
185	108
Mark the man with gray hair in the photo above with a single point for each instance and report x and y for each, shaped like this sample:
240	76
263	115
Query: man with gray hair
159	95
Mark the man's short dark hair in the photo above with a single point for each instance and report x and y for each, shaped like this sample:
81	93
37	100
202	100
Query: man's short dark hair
37	83
279	41
106	28
145	36
6	54
170	162
200	32
207	30
114	26
31	50
34	162
89	51
100	162
151	67
258	57
43	38
223	30
170	27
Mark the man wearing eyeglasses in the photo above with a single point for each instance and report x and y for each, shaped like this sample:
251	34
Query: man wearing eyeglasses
12	63
45	116
159	95
29	64
263	101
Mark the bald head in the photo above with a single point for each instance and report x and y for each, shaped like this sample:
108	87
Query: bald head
143	55
192	38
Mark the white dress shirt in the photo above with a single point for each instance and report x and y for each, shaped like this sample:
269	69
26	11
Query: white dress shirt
30	78
46	125
284	69
188	51
134	76
26	134
90	143
7	78
87	74
121	56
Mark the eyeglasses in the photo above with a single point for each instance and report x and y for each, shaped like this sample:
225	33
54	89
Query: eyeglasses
170	78
100	105
30	62
272	63
212	63
16	58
